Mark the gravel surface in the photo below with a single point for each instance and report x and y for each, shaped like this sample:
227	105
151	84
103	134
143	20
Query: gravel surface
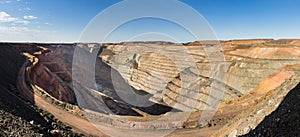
18	118
284	121
11	125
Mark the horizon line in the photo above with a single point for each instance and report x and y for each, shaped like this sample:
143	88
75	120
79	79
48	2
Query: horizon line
77	42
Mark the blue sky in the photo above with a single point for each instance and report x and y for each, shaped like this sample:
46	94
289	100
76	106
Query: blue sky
64	20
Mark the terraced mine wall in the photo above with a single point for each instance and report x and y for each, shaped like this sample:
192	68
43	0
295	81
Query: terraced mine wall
258	74
53	79
157	71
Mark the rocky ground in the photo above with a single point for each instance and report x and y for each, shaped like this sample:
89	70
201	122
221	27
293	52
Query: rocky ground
284	122
265	71
17	117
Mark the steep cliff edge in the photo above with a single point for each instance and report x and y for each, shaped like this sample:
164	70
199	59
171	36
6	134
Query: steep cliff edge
174	78
17	116
159	69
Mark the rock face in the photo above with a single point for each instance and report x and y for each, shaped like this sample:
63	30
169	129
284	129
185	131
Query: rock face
284	121
50	73
158	69
17	117
239	81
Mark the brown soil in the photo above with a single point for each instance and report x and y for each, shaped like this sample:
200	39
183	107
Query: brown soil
37	98
284	121
18	117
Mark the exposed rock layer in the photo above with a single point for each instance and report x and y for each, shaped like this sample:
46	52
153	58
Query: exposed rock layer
257	76
161	70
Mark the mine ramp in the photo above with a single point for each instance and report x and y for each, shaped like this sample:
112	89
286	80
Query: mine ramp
156	88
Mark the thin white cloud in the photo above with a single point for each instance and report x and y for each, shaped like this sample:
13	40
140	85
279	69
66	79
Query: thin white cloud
25	9
5	17
5	1
47	23
14	29
29	17
23	30
25	22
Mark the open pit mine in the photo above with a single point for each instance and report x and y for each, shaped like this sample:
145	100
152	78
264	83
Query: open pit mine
229	88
